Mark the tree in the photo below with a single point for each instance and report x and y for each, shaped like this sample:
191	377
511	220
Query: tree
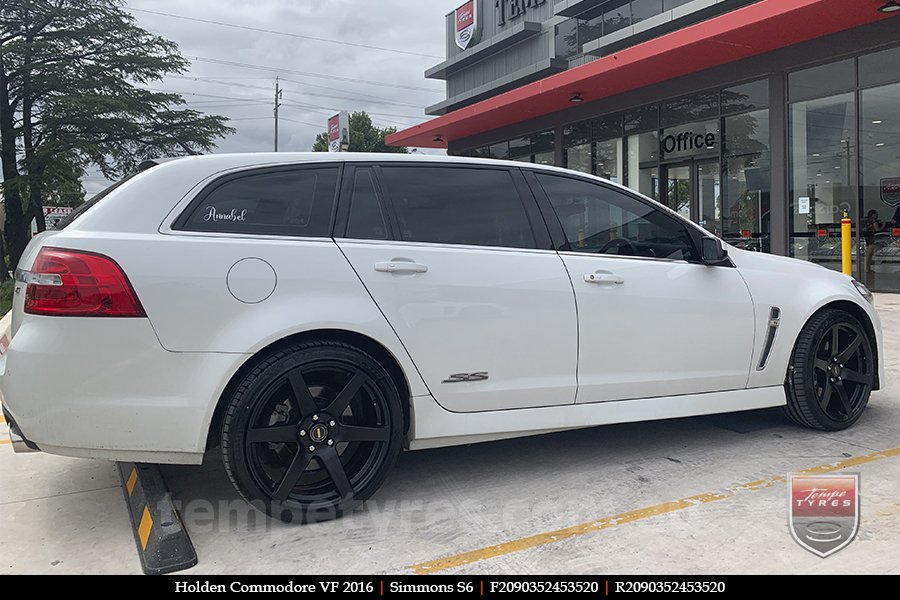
73	95
364	136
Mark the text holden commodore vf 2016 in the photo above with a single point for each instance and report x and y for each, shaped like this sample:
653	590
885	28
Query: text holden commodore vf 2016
312	315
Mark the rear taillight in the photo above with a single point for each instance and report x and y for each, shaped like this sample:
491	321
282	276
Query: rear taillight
73	283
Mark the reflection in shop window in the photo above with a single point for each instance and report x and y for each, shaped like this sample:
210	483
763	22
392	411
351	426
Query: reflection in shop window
823	165
880	155
746	221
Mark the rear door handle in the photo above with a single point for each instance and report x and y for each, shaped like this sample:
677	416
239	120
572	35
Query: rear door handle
399	265
604	278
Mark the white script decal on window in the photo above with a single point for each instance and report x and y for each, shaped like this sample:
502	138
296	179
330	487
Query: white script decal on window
213	215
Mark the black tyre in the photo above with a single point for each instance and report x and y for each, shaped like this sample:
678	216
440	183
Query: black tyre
832	372
312	431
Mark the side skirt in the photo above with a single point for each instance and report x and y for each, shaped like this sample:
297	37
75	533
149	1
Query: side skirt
434	427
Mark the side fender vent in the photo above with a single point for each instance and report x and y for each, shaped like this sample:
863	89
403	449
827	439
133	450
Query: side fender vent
774	320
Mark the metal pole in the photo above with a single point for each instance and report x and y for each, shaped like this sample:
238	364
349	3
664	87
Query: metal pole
277	105
846	246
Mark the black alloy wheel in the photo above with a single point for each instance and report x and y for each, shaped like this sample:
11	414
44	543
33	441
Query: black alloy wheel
832	372
312	431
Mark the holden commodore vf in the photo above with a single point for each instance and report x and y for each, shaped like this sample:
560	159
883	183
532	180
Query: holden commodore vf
312	315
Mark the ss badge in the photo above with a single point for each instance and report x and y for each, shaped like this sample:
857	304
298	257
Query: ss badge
462	377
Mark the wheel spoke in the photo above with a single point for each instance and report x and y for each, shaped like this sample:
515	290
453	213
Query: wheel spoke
835	335
305	402
842	394
292	475
332	463
850	350
340	403
821	364
354	433
279	433
855	376
826	396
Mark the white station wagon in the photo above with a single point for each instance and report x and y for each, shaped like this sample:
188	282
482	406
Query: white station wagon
314	314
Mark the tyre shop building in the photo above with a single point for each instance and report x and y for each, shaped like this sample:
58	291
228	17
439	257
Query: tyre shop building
762	120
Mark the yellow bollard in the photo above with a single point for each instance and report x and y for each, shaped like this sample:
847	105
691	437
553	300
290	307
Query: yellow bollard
846	250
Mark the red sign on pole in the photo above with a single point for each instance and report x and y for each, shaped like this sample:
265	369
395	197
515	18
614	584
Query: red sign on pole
822	234
745	233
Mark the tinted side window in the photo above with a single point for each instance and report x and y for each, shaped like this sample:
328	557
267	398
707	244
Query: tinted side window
458	205
281	203
600	220
366	220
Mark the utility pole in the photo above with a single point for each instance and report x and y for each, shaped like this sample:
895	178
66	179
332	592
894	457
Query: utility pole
277	106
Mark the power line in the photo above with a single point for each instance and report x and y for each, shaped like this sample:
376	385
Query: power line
284	33
230	63
352	98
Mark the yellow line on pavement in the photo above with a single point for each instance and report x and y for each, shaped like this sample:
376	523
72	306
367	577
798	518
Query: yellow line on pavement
5	441
551	537
2	418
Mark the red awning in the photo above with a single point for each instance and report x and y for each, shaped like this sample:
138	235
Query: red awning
755	29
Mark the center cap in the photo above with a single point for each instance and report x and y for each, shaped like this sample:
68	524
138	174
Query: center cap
318	433
835	370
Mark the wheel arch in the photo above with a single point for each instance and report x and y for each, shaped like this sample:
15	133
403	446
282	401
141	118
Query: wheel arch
365	343
862	316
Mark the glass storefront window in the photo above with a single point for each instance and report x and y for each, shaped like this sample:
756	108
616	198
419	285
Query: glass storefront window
689	108
822	80
520	149
747	182
644	118
499	151
609	159
823	180
880	170
670	4
643	158
879	67
745	97
577	147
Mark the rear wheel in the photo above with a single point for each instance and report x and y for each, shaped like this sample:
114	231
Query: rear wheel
832	372
312	431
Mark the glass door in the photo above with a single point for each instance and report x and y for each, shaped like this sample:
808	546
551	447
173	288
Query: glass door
680	188
709	198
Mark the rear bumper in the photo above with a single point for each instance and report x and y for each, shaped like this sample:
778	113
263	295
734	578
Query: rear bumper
20	444
105	388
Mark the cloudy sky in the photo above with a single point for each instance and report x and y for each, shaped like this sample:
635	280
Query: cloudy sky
375	62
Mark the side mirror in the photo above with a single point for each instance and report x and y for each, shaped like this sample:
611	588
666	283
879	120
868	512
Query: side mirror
712	252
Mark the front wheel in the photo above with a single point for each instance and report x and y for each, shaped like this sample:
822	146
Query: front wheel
312	431
831	373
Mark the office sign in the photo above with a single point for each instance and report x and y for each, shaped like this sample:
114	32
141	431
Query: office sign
467	22
339	132
510	10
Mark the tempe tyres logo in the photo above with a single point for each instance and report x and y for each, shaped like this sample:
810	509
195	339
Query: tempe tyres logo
824	511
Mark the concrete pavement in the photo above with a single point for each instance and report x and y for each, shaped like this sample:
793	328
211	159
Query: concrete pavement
703	495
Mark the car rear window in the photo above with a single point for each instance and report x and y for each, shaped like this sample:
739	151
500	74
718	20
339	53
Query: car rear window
298	202
88	204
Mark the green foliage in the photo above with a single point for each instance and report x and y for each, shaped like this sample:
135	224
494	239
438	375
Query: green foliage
6	296
364	136
75	92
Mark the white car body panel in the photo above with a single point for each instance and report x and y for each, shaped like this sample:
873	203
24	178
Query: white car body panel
479	306
147	389
631	344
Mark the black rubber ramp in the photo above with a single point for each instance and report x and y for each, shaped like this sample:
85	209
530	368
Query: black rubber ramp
162	541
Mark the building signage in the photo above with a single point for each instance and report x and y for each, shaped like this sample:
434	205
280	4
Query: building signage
339	132
687	141
890	191
510	10
467	22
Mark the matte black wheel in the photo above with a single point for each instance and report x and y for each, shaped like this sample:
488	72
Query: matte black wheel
311	431
832	372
